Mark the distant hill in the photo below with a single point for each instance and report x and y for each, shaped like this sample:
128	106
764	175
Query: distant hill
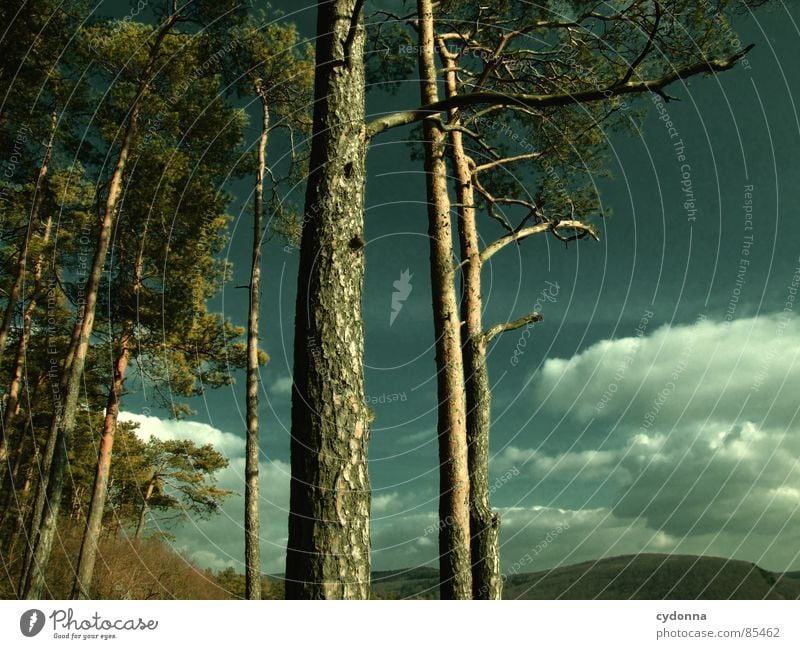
641	576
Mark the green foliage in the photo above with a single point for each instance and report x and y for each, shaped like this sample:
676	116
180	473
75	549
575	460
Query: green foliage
164	264
183	476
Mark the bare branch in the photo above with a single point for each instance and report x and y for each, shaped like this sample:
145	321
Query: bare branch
498	329
580	228
503	161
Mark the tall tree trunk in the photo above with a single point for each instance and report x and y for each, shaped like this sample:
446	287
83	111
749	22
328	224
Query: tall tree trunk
252	525
454	533
484	523
97	504
328	551
145	507
54	459
22	260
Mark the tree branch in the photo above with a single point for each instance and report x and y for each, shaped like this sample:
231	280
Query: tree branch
582	229
498	329
403	118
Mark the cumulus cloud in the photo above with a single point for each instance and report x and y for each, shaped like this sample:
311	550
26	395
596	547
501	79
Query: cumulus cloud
701	443
228	444
744	369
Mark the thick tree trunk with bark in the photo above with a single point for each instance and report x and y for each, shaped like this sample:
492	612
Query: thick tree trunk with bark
328	553
97	504
252	525
454	531
49	490
484	523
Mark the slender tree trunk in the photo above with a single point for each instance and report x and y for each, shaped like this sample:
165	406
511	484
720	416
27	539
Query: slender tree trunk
21	508
454	532
14	500
22	261
12	396
252	525
16	289
328	552
11	480
484	523
15	385
49	491
145	507
21	499
97	504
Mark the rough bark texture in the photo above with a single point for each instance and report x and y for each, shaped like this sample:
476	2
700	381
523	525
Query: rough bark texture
94	520
484	523
47	503
328	553
454	532
252	525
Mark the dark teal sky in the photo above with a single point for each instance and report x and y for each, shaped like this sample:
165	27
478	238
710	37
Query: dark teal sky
712	470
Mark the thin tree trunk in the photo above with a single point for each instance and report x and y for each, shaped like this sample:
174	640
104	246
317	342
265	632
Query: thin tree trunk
49	491
15	385
11	482
13	500
328	551
94	520
145	508
21	501
22	508
484	523
252	525
16	287
454	533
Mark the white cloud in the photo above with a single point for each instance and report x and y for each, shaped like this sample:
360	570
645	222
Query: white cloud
281	386
219	542
586	464
699	444
420	438
745	369
228	444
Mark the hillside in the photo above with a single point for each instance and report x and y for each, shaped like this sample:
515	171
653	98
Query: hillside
643	576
